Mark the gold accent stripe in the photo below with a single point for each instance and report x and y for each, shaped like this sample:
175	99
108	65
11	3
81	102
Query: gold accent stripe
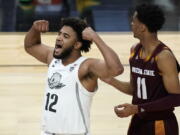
132	54
145	59
159	127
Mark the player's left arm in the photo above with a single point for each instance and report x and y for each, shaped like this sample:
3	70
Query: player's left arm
167	65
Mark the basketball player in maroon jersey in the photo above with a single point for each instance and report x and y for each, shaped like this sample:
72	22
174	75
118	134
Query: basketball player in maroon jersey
154	82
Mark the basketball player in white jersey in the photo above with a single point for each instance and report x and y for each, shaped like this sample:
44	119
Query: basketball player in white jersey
72	78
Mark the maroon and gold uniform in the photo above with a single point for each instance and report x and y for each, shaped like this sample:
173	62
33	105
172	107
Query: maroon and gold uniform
148	87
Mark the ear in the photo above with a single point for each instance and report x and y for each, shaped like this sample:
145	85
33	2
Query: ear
77	45
143	28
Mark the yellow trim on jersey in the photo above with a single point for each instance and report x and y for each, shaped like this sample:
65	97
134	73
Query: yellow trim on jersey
132	54
140	55
147	58
156	58
159	127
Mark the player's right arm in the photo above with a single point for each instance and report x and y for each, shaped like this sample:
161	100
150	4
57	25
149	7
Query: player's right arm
125	87
33	45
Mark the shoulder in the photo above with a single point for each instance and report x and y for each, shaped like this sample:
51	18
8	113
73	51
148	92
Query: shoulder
87	65
166	61
86	76
165	54
88	62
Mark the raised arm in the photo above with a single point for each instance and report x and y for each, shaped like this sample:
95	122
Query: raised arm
111	66
33	45
125	87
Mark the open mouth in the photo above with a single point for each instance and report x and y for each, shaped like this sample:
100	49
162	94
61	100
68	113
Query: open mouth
57	46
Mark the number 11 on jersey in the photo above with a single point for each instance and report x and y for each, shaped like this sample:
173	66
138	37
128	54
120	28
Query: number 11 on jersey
141	88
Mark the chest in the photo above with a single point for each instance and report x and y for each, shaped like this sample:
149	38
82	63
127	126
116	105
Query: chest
60	76
142	68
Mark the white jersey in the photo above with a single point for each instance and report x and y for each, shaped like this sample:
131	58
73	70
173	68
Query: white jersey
67	103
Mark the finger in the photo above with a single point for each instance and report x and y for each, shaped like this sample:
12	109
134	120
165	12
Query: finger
116	108
44	27
119	106
123	114
37	27
89	29
117	113
84	38
40	27
120	114
47	26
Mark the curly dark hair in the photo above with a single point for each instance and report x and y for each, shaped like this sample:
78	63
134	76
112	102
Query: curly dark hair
151	15
78	25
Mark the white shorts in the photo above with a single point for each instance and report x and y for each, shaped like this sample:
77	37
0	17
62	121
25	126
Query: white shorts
47	133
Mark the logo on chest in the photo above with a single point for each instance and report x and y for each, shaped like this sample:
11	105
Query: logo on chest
54	82
143	71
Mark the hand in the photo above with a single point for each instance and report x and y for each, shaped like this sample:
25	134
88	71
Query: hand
88	34
41	25
125	110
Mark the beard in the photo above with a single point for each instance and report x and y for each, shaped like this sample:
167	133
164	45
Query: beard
65	54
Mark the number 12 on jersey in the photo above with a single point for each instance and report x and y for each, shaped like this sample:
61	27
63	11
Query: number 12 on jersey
51	100
141	88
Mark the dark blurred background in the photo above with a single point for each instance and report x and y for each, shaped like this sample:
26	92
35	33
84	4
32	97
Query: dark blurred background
102	15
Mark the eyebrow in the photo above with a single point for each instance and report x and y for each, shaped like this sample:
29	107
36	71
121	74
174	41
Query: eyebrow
66	34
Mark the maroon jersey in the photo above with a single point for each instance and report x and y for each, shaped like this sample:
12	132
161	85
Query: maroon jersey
147	81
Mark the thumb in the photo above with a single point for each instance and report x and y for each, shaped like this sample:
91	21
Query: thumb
122	105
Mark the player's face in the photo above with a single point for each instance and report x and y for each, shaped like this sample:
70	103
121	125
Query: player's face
136	26
65	42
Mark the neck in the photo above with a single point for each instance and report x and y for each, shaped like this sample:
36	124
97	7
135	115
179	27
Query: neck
73	57
149	42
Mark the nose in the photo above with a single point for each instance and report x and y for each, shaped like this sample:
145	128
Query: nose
59	37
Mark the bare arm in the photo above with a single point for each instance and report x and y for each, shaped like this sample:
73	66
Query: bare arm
33	45
125	87
111	66
169	73
171	83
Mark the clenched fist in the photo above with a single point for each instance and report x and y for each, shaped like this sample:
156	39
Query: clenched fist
88	34
41	25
